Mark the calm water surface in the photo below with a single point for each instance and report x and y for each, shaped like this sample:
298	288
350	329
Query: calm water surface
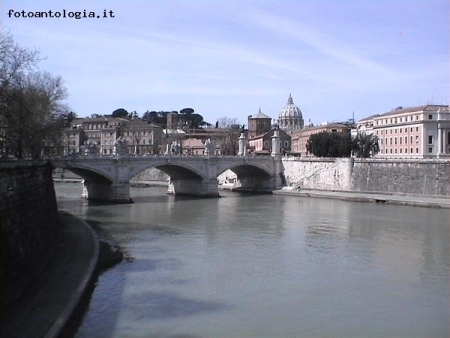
268	266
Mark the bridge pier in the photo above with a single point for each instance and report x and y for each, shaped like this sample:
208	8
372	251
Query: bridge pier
107	192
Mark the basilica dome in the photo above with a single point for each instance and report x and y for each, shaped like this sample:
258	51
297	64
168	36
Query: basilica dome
290	117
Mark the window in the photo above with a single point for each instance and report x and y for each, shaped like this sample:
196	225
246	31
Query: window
395	140
381	141
430	139
417	128
406	140
400	150
430	150
396	150
400	139
417	139
406	150
390	150
417	150
395	130
430	117
411	140
390	140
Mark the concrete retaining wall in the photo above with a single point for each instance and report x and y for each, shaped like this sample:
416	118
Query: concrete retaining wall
29	225
423	177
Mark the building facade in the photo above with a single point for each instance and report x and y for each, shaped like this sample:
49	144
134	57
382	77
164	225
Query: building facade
262	144
98	136
141	137
72	140
259	124
417	132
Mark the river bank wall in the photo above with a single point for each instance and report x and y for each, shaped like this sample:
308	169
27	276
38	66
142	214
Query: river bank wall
396	176
29	225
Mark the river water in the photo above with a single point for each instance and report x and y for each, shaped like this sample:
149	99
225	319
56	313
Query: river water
268	266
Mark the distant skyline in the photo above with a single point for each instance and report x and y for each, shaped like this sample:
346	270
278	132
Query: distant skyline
229	58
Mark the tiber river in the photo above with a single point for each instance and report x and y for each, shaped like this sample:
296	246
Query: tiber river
268	266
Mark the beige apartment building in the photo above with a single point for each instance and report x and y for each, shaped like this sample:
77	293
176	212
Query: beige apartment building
98	135
141	137
417	132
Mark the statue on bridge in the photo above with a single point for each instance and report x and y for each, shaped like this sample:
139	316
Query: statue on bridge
174	148
210	147
90	147
120	146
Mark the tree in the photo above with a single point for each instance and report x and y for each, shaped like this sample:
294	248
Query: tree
32	109
226	122
365	145
228	141
120	113
329	144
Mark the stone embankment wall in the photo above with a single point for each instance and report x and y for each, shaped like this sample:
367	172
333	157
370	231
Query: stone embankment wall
423	177
324	174
29	225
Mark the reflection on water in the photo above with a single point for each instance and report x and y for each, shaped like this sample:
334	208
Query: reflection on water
266	266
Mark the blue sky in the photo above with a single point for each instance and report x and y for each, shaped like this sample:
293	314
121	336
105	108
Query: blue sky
230	58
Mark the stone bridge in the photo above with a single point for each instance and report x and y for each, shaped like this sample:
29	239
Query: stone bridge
107	178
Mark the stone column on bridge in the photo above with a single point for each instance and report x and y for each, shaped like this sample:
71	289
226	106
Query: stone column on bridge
276	146
278	164
242	145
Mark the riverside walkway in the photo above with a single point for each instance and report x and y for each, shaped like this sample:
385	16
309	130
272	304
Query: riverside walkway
48	307
382	198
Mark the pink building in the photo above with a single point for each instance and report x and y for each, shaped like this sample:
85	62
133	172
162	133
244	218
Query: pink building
418	132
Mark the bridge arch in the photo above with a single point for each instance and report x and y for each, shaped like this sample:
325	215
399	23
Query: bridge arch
88	174
175	170
251	177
